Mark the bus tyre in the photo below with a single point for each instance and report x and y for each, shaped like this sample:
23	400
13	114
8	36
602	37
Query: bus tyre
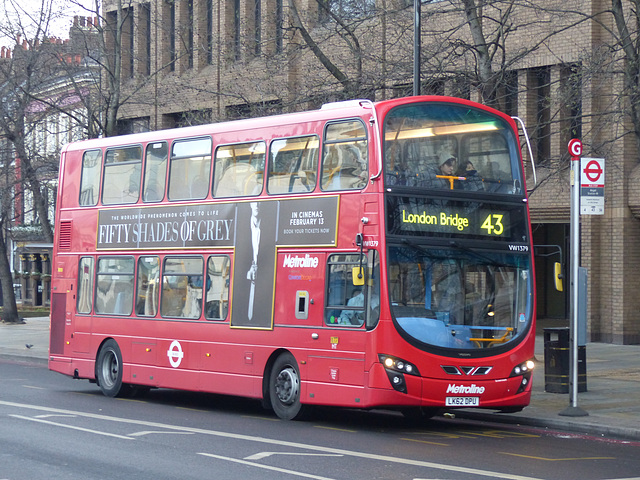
284	388
109	370
417	414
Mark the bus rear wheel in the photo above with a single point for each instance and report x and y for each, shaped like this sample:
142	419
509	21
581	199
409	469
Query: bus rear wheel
109	370
284	388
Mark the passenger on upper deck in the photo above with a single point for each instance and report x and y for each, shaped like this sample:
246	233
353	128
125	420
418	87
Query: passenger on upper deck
472	181
434	178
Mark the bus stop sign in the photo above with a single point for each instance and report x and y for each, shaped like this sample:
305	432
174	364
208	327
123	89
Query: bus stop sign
592	186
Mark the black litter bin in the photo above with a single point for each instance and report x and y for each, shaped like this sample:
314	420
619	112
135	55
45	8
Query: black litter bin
557	349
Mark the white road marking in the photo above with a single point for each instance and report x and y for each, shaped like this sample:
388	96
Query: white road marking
261	455
153	432
272	441
32	419
54	415
266	467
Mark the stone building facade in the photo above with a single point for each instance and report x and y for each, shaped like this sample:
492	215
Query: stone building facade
558	64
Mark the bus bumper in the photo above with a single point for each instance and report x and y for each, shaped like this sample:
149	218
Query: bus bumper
430	392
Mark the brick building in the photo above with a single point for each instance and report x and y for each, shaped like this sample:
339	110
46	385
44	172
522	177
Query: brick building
558	67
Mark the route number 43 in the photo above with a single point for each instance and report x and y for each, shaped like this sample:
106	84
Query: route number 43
493	224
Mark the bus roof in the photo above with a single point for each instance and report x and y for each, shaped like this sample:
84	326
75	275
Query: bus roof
328	111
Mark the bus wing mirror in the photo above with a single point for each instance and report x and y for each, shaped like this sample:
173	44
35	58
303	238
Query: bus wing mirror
357	275
557	276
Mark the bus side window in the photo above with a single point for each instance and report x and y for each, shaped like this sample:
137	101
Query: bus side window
155	172
90	181
373	289
345	300
182	287
345	162
239	170
114	285
293	164
217	287
148	286
190	169
85	285
122	169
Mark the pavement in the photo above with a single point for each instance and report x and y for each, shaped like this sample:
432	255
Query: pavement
611	402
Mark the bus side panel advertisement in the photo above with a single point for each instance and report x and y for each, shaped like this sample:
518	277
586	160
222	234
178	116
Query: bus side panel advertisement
300	222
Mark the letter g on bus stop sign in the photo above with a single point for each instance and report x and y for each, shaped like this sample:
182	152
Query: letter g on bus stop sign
575	147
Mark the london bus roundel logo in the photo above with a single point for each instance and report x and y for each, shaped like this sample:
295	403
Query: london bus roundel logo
175	354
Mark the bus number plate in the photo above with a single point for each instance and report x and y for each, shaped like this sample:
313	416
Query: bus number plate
462	401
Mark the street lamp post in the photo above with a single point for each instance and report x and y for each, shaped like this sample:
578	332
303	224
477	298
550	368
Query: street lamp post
416	47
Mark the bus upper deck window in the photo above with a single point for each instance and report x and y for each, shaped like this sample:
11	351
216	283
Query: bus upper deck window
345	161
190	169
293	165
90	182
239	170
155	172
122	170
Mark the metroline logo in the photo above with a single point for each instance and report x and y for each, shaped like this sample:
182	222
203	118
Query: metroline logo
307	261
453	388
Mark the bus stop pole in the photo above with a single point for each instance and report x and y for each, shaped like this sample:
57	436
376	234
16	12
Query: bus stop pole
417	43
573	410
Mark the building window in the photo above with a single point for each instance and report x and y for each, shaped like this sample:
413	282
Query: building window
571	91
542	92
236	30
189	32
210	32
172	35
145	12
257	31
511	93
279	13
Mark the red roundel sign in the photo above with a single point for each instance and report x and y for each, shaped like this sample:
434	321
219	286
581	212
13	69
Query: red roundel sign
575	147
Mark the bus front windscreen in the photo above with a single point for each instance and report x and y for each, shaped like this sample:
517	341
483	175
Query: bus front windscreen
459	298
441	146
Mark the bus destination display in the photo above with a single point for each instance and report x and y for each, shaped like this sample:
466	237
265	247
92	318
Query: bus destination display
414	216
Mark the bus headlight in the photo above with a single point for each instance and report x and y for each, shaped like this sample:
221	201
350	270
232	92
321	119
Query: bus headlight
524	370
524	367
396	369
398	365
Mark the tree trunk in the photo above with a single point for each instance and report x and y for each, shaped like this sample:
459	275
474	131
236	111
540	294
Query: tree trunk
9	307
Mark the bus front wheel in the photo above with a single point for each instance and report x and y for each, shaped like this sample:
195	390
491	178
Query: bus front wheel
109	369
284	388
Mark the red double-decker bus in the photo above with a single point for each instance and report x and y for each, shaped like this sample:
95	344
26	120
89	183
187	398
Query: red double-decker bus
360	255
